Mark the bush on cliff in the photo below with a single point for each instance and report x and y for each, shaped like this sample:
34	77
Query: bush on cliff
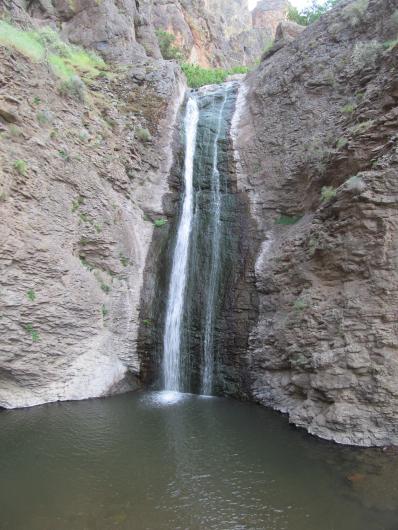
198	76
310	14
66	61
168	50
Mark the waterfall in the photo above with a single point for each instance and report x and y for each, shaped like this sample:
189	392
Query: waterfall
203	247
178	280
208	354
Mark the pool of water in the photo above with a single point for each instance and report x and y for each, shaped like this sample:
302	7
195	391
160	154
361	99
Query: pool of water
152	461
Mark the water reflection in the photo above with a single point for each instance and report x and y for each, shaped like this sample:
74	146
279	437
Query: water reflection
173	461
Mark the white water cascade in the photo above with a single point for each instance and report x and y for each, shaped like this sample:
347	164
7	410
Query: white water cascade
178	280
208	353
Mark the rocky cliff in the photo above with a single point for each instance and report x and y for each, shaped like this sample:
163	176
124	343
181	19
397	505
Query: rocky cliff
316	140
219	33
85	155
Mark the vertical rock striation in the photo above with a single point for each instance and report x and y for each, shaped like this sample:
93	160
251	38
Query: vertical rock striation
219	33
82	181
316	139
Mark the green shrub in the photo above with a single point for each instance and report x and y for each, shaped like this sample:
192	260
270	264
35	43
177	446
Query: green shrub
288	219
104	311
31	295
45	44
310	14
299	304
64	155
21	167
362	127
159	222
366	54
341	142
77	203
124	260
105	287
355	183
390	44
197	76
44	117
33	333
143	134
147	323
74	88
355	12
327	193
85	263
349	108
166	42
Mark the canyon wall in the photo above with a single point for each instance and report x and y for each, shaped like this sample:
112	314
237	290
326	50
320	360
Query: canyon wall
219	33
316	143
84	171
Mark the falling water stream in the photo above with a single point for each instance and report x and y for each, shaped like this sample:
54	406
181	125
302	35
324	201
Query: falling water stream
178	280
206	125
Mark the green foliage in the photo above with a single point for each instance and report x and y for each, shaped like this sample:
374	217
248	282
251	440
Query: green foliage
159	222
21	167
355	183
64	155
147	322
74	88
288	219
104	311
25	42
85	263
310	14
198	76
341	142
239	69
299	304
354	12
33	333
45	44
124	260
105	287
390	44
143	134
362	127
44	117
77	203
168	50
31	295
14	130
269	44
366	54
36	100
394	18
349	108
327	193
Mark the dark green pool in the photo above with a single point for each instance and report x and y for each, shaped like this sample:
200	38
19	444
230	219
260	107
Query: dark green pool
149	461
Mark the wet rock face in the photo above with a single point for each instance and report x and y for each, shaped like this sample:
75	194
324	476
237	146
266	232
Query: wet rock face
318	158
81	184
220	284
